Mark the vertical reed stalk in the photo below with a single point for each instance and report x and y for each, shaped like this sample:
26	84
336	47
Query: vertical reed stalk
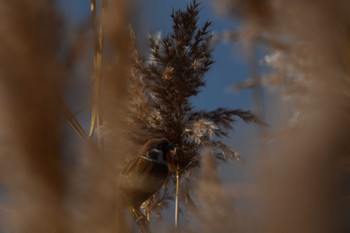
96	120
177	208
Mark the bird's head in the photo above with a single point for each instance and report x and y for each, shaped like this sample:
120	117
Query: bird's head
159	149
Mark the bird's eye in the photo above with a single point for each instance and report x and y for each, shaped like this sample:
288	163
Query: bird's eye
159	146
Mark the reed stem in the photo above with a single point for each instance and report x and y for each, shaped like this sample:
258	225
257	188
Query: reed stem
177	208
96	119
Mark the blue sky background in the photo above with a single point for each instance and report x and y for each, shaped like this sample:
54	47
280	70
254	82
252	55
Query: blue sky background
230	67
153	16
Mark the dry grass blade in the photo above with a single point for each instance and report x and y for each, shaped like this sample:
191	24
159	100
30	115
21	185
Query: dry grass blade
74	123
96	121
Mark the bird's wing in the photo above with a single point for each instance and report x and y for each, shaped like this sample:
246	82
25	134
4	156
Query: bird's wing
134	176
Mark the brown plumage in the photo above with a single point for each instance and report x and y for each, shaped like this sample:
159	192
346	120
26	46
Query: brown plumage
145	174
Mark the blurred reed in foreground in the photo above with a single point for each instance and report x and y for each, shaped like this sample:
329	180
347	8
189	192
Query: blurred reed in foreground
302	185
32	174
39	192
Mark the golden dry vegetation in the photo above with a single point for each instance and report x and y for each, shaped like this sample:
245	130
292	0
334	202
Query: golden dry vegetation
59	172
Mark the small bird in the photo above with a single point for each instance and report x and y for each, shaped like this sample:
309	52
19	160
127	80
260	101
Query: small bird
145	174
